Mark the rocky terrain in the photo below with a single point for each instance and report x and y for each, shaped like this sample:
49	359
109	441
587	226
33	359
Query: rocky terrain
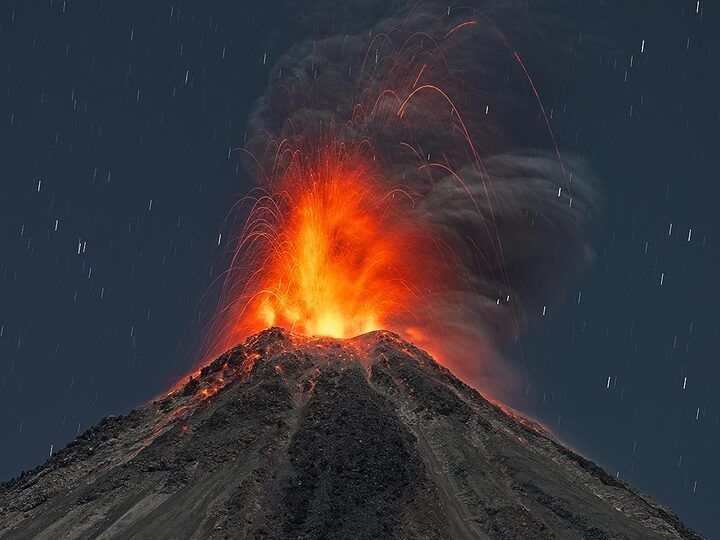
286	436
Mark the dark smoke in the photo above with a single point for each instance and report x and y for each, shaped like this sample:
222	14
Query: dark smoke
482	164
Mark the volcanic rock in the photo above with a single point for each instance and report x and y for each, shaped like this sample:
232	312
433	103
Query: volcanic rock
286	436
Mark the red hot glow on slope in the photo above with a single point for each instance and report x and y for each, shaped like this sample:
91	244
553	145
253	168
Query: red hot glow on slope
386	201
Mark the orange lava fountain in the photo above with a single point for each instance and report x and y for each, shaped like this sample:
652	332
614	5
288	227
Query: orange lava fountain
324	251
332	267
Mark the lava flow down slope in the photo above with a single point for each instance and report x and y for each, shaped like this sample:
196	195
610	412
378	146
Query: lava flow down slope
287	436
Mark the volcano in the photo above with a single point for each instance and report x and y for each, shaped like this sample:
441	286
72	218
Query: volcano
287	436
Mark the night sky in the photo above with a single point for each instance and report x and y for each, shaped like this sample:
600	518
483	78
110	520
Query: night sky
117	122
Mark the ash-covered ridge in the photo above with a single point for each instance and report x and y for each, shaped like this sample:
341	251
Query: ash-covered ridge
286	436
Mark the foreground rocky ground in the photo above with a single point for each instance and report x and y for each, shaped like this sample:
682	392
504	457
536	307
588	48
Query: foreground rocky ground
291	437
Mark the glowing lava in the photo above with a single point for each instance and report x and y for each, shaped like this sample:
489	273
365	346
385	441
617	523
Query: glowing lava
325	250
332	266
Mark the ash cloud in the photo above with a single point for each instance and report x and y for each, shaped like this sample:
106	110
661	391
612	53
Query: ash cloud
441	99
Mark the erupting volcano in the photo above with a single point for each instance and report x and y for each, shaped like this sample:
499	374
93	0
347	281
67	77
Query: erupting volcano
391	205
390	194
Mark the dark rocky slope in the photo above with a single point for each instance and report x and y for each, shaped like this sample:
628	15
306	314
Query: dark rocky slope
290	437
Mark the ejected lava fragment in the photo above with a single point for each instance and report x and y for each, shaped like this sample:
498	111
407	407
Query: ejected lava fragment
293	437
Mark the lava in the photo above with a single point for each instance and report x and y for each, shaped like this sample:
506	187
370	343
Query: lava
334	264
327	250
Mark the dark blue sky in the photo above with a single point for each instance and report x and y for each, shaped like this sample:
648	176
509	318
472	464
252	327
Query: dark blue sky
645	321
115	125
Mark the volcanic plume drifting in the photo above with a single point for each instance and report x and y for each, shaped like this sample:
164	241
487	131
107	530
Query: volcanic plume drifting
408	179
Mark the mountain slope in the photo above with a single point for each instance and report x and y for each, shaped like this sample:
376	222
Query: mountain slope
289	436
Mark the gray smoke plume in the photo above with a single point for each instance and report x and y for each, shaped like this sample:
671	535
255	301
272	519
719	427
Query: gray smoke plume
443	102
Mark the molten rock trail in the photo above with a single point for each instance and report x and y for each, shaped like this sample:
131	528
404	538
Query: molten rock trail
292	437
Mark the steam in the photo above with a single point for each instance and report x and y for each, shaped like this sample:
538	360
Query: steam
439	99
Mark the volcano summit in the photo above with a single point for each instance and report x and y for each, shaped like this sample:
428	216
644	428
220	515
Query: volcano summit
286	436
